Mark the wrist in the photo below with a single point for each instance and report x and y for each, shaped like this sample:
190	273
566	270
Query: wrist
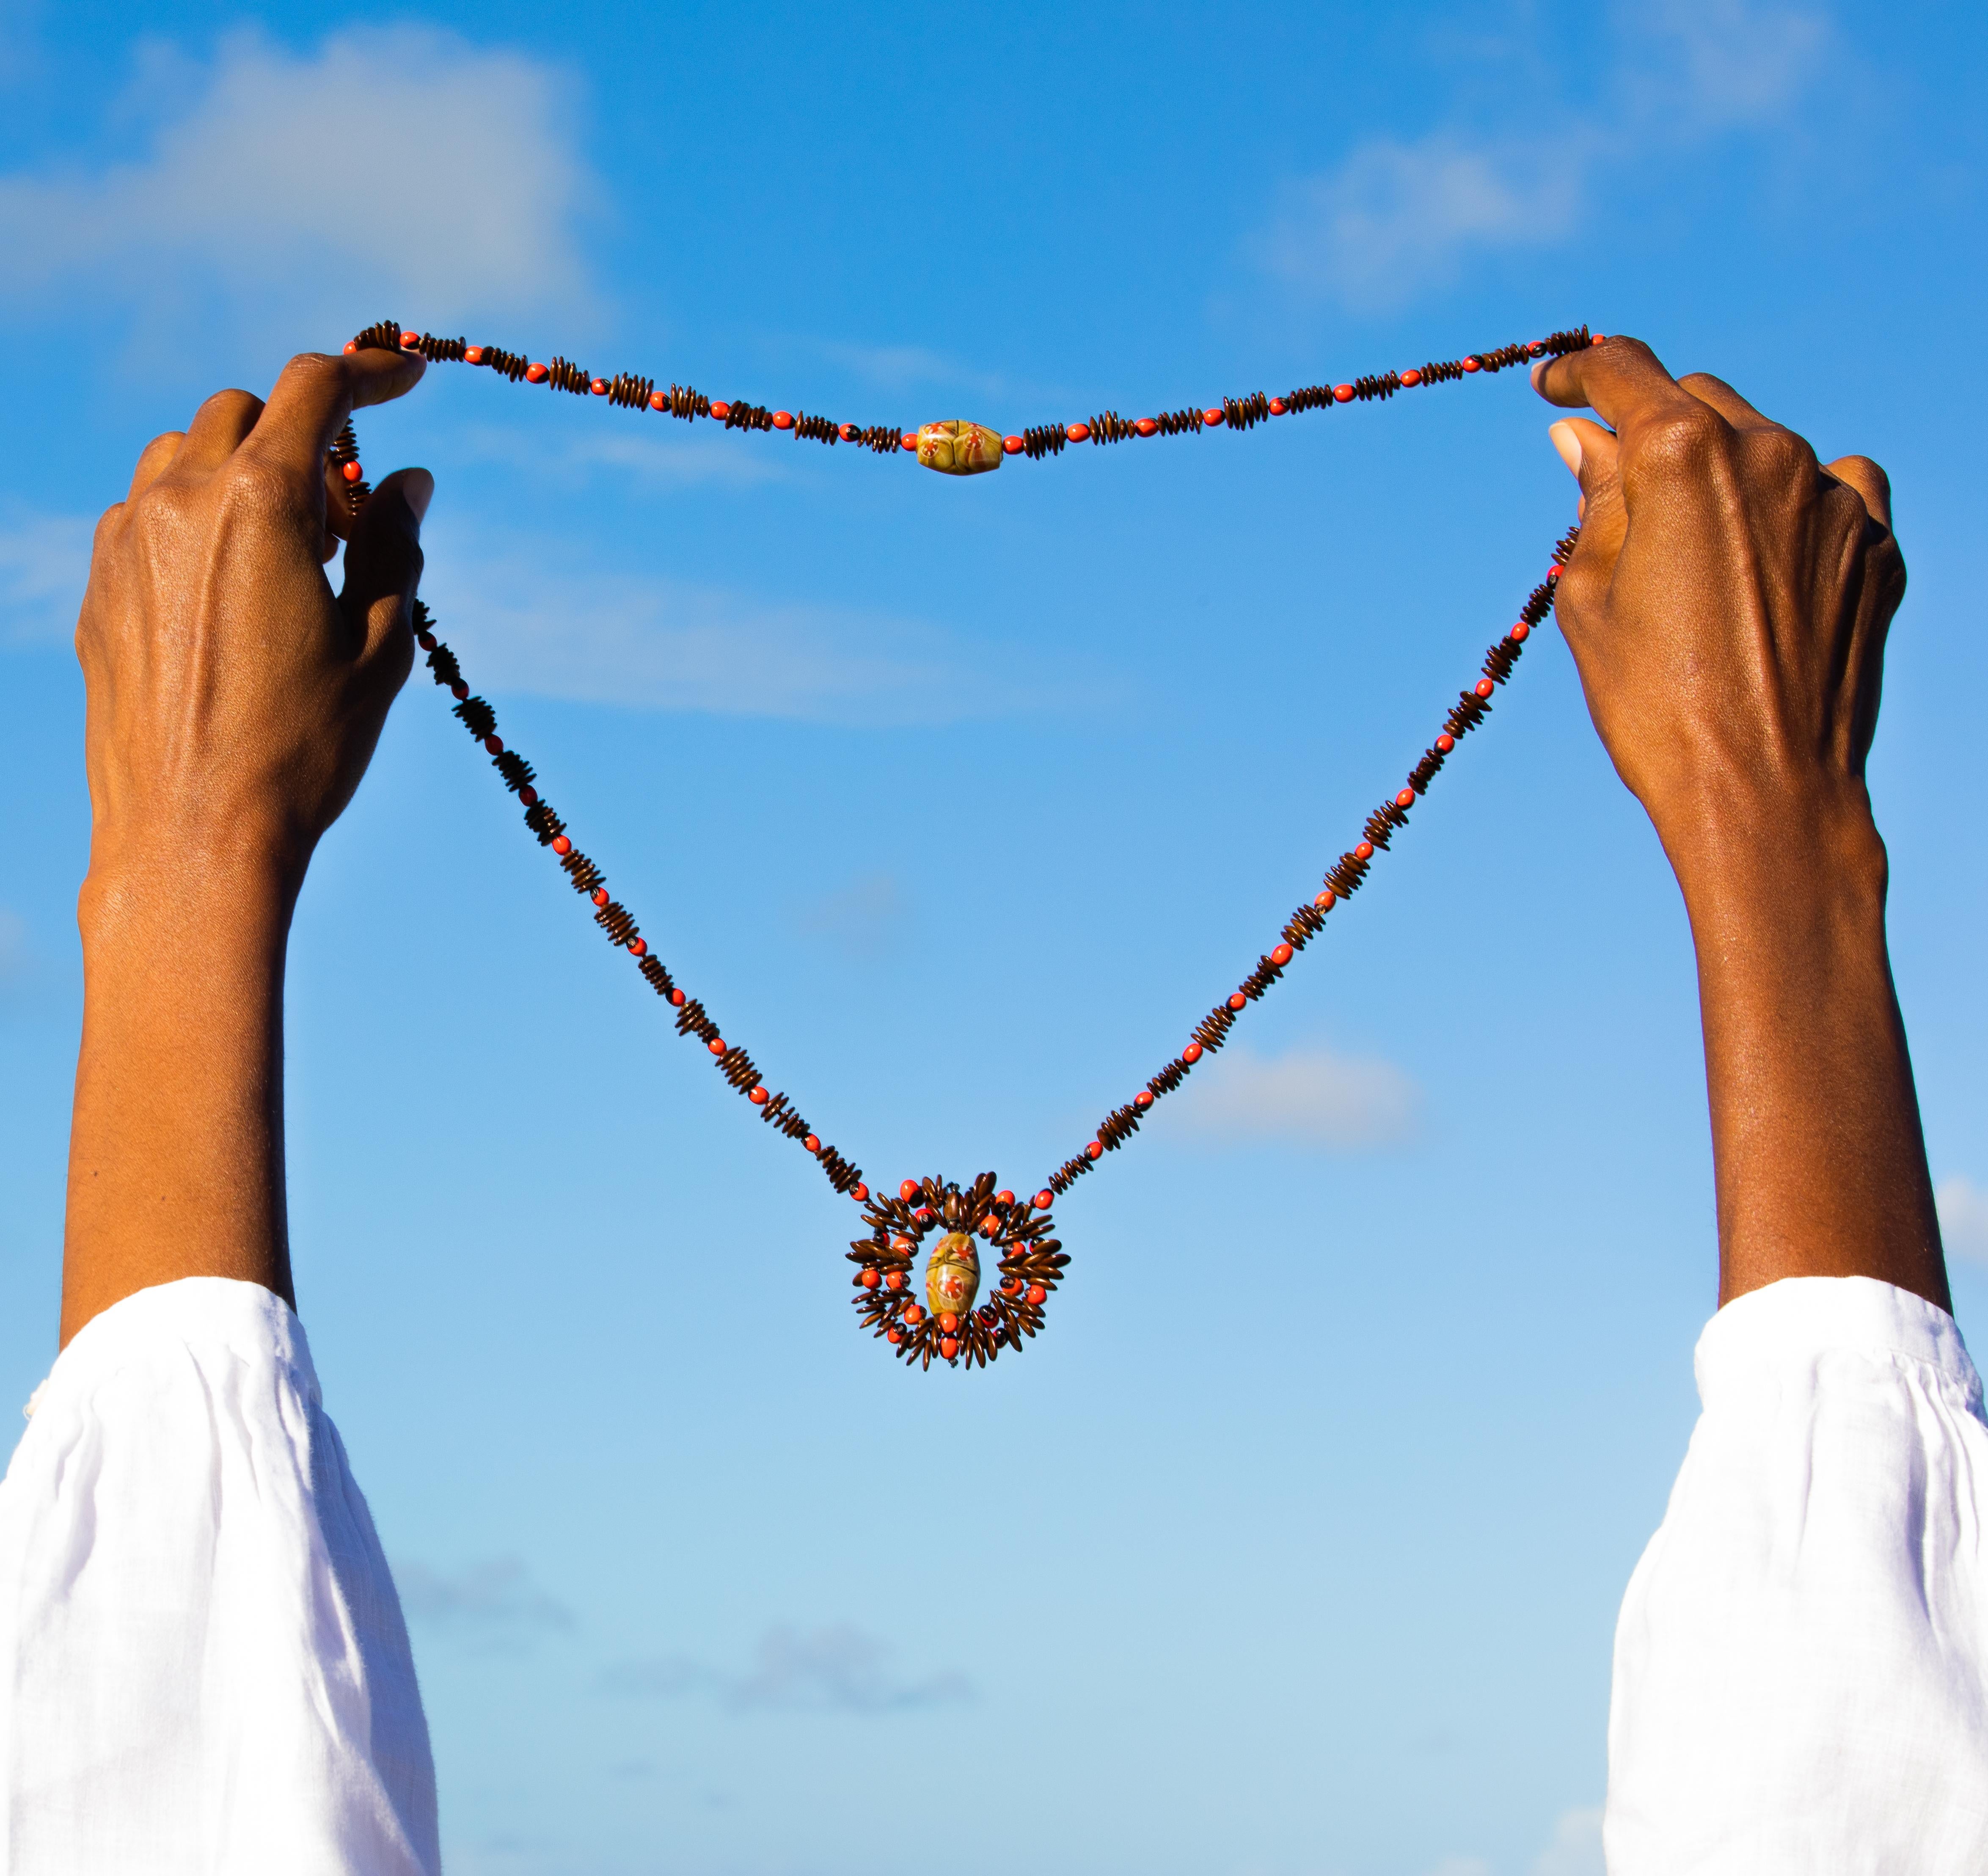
198	895
1765	849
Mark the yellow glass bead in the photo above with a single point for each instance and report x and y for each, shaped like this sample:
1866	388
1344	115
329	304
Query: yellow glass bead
957	447
953	1275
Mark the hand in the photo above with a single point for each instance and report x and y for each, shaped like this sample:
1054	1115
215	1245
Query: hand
234	703
1727	606
1728	602
233	699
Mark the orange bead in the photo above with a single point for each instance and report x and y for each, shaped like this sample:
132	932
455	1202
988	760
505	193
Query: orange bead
915	1313
720	409
601	895
1280	954
1011	1286
909	441
599	387
495	745
1342	394
1095	1149
860	1193
1143	1099
758	1097
893	1336
1278	406
1406	799
1326	900
1237	999
351	473
812	1142
1191	1054
1037	1294
1553	572
561	845
717	1045
1484	686
351	345
1471	364
472	354
639	948
784	420
948	1322
907	1189
1596	338
1079	433
871	1279
948	1345
848	432
1212	416
677	1002
536	374
1520	633
1004	1197
1445	742
895	1280
409	340
1011	446
1411	377
659	400
1146	426
1044	1199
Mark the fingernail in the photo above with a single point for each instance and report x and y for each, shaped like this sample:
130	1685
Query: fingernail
419	488
1566	440
1539	371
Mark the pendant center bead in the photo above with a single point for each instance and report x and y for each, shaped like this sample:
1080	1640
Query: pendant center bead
953	1275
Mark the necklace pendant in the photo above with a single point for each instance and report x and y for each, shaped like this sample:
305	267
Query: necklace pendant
959	447
947	1327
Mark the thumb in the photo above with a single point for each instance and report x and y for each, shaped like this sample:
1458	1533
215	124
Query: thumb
382	563
1589	451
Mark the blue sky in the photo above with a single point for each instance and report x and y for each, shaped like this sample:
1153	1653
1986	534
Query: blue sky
1294	1548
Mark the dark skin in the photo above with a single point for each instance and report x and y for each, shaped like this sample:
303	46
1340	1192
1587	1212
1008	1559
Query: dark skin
1727	607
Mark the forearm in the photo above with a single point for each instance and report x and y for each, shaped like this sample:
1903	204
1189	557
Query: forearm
1820	1164
176	1151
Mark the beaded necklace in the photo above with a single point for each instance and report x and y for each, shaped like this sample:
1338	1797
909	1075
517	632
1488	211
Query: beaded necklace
951	1325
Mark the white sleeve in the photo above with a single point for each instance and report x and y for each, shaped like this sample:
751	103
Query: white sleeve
203	1668
1801	1665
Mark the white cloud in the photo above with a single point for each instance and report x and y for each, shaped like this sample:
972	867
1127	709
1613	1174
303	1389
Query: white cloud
1963	1218
399	170
1345	1104
1575	1847
524	621
1395	217
839	1669
44	567
495	1603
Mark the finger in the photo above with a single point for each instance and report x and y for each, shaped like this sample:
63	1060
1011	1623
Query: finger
1725	400
1870	482
317	393
218	428
383	563
1594	454
1620	380
153	460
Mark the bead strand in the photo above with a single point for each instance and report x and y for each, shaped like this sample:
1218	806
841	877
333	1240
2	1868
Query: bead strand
627	391
614	919
1341	882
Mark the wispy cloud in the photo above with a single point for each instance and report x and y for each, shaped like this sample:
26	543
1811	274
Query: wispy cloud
525	621
464	200
1963	1218
1575	1848
494	1605
1343	1103
839	1669
863	917
646	451
1398	216
904	367
44	567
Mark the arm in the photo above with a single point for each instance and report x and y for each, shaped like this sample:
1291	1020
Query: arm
1727	606
234	703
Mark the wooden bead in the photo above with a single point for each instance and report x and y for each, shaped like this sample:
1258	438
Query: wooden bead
956	447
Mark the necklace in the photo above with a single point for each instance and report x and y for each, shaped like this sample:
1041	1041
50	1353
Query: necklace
952	1324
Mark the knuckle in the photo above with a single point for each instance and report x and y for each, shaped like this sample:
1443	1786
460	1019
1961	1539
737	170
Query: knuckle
1684	441
1782	454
